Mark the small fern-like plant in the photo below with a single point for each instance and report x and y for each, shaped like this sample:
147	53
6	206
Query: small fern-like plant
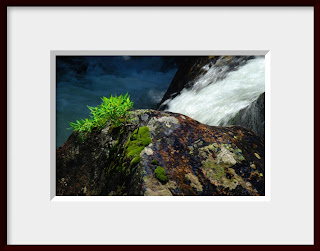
114	110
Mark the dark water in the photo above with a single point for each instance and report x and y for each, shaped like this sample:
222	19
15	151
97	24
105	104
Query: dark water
83	80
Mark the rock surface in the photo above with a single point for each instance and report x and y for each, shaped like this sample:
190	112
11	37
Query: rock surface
192	68
191	159
252	117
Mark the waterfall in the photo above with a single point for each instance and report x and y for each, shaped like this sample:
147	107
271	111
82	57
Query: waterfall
214	100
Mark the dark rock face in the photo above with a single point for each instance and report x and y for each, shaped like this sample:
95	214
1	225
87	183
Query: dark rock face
190	69
191	159
252	117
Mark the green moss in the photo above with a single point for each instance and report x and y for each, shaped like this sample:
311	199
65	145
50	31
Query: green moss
133	136
124	161
161	174
139	139
154	162
135	161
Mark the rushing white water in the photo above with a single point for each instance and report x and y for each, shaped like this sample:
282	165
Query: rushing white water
217	103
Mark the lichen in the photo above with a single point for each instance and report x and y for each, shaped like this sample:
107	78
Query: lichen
257	156
253	166
226	156
156	188
217	162
166	124
214	170
229	183
147	151
194	182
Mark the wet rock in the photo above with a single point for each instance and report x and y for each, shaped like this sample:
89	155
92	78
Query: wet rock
196	159
252	117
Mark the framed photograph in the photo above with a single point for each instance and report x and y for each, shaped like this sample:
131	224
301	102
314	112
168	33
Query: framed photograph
168	125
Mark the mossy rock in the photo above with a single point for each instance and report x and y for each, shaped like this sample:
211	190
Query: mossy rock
139	139
161	174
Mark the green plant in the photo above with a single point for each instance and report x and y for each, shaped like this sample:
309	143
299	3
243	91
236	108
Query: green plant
114	110
161	174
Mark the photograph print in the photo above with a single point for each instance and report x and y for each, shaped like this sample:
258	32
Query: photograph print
160	125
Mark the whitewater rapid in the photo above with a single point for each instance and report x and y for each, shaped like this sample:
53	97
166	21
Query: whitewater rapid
214	102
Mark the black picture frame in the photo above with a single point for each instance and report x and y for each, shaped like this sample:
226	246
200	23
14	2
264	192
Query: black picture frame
3	101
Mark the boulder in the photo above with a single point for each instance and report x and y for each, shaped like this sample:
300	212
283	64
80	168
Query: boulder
252	117
162	153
